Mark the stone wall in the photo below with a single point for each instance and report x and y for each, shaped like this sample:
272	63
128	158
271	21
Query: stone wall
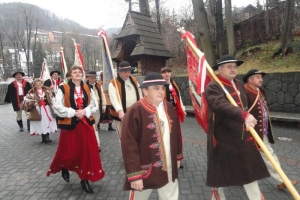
283	91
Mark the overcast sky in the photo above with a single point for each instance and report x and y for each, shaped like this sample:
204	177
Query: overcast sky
100	13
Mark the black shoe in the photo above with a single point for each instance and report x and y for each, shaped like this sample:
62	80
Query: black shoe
47	138
86	186
20	123
181	167
43	138
65	174
110	128
28	125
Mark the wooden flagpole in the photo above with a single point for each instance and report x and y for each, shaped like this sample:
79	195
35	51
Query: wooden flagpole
278	169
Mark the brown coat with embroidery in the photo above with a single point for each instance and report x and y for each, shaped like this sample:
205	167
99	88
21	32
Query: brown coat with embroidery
232	155
141	145
257	112
33	95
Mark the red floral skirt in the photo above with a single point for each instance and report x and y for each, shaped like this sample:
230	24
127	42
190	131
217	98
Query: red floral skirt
78	152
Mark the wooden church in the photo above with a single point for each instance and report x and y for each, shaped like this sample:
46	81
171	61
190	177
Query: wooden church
141	44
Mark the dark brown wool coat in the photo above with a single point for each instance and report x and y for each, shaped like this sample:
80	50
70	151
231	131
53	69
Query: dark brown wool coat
232	155
257	112
142	146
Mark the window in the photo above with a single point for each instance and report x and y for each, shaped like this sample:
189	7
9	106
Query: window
247	15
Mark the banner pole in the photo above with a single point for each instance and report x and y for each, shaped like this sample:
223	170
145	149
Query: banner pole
278	169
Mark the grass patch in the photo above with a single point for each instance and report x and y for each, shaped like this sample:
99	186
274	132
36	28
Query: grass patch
260	57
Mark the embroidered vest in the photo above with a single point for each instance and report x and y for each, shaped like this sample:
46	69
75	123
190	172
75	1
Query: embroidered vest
119	83
70	123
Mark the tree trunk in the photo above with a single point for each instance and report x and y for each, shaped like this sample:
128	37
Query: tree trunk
219	28
158	16
267	22
286	36
229	28
2	50
144	7
203	31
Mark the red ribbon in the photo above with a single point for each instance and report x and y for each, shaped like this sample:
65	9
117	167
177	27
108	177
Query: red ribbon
43	104
178	109
79	102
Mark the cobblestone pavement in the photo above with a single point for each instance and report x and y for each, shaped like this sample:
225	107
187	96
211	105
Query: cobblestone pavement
24	162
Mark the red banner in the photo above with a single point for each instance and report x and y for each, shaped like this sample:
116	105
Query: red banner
198	79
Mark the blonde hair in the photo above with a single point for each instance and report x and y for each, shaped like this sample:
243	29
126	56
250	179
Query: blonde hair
74	67
37	80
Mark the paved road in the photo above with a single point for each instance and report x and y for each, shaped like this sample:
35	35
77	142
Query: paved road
24	162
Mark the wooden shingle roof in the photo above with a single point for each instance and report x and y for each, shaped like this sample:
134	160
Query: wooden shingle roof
151	41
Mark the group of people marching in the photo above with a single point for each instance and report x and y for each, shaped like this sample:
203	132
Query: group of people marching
148	118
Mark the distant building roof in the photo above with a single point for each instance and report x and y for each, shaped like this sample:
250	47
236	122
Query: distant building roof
151	41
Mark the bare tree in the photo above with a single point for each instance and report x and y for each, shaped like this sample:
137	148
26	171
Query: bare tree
203	31
286	36
158	16
229	28
129	5
267	21
216	10
24	24
144	7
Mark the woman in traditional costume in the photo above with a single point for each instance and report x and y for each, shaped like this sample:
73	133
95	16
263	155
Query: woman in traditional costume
38	102
77	149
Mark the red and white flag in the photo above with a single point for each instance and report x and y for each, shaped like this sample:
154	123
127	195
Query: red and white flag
45	74
198	79
78	57
63	64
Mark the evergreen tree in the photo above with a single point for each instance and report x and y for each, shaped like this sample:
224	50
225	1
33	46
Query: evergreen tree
38	60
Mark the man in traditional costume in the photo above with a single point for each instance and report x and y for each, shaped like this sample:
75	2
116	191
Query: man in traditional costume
258	107
151	143
77	149
15	94
173	96
123	92
96	86
54	82
232	155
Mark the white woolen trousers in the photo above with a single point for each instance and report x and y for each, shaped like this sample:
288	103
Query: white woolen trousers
252	191
96	116
270	167
167	192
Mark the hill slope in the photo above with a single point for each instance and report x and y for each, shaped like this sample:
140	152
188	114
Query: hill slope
260	57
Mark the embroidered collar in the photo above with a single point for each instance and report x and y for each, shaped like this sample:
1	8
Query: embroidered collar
250	89
147	105
226	82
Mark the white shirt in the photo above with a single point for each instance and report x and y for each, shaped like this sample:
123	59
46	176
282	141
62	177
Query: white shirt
166	133
20	89
62	111
130	95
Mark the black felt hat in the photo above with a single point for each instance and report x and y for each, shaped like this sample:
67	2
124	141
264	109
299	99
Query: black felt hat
18	72
125	66
252	72
51	73
227	59
153	78
92	73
